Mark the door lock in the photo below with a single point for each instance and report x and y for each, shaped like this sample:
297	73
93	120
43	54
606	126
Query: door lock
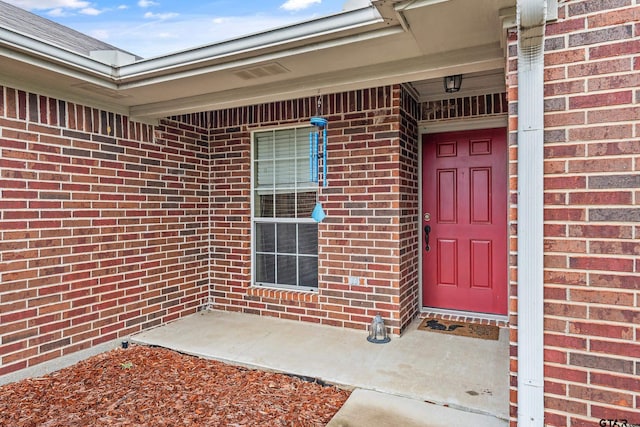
427	216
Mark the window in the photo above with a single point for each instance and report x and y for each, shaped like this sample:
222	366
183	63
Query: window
285	238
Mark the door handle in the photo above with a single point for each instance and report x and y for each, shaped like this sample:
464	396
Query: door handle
427	230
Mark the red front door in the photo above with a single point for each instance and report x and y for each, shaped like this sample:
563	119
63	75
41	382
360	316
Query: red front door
465	215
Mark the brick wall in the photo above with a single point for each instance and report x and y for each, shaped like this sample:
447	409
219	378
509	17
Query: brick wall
512	96
103	226
110	226
410	247
476	106
592	159
370	201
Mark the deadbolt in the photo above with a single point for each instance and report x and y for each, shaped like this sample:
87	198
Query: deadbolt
427	216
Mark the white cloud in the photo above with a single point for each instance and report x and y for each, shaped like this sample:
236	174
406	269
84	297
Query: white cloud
295	5
183	33
160	16
91	11
50	4
147	3
123	7
59	8
57	13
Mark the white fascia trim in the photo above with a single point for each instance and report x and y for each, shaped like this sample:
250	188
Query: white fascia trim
42	54
415	4
37	52
531	16
393	11
284	36
177	74
478	58
463	124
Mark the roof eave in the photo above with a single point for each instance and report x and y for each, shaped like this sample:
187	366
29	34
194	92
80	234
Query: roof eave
281	39
39	53
33	51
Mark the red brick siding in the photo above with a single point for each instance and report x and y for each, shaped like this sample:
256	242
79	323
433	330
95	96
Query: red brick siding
477	106
410	303
361	236
512	96
230	215
591	213
103	226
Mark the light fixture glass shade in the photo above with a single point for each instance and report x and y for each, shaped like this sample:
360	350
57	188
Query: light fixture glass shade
318	213
377	331
452	83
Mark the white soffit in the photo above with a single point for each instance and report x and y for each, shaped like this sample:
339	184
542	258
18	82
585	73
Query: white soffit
351	50
405	70
455	24
479	83
425	51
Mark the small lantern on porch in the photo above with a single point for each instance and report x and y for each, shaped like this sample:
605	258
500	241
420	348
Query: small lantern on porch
377	331
452	83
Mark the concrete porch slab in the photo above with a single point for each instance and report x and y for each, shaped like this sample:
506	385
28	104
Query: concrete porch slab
366	408
468	374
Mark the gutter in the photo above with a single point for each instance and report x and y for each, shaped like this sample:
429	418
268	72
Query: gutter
31	50
34	51
323	28
531	18
242	60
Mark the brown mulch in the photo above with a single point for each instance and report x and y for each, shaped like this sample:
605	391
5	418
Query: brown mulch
143	386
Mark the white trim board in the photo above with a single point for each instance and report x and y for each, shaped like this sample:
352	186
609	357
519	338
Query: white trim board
462	124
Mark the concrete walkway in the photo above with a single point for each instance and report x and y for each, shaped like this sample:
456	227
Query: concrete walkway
465	381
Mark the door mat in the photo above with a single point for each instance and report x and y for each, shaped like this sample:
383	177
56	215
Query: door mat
463	329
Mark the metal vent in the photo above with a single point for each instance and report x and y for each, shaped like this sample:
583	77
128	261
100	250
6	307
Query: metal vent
266	70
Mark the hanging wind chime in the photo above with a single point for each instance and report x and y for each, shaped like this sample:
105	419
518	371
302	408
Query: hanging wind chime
318	157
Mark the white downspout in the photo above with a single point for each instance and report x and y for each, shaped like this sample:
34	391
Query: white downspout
531	25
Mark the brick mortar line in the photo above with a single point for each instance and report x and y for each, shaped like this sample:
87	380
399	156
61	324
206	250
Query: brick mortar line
591	403
630	341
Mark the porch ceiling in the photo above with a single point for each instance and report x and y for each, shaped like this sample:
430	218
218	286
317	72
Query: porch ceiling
397	42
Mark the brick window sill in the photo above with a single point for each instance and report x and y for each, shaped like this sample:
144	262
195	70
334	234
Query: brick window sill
283	294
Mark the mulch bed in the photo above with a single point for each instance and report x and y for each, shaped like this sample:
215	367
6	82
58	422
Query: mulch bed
143	386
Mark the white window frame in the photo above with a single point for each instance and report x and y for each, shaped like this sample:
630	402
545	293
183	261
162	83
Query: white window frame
312	186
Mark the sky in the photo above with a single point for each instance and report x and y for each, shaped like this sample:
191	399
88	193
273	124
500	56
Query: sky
150	28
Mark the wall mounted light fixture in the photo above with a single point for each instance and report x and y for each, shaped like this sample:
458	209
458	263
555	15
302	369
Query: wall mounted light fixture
452	83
